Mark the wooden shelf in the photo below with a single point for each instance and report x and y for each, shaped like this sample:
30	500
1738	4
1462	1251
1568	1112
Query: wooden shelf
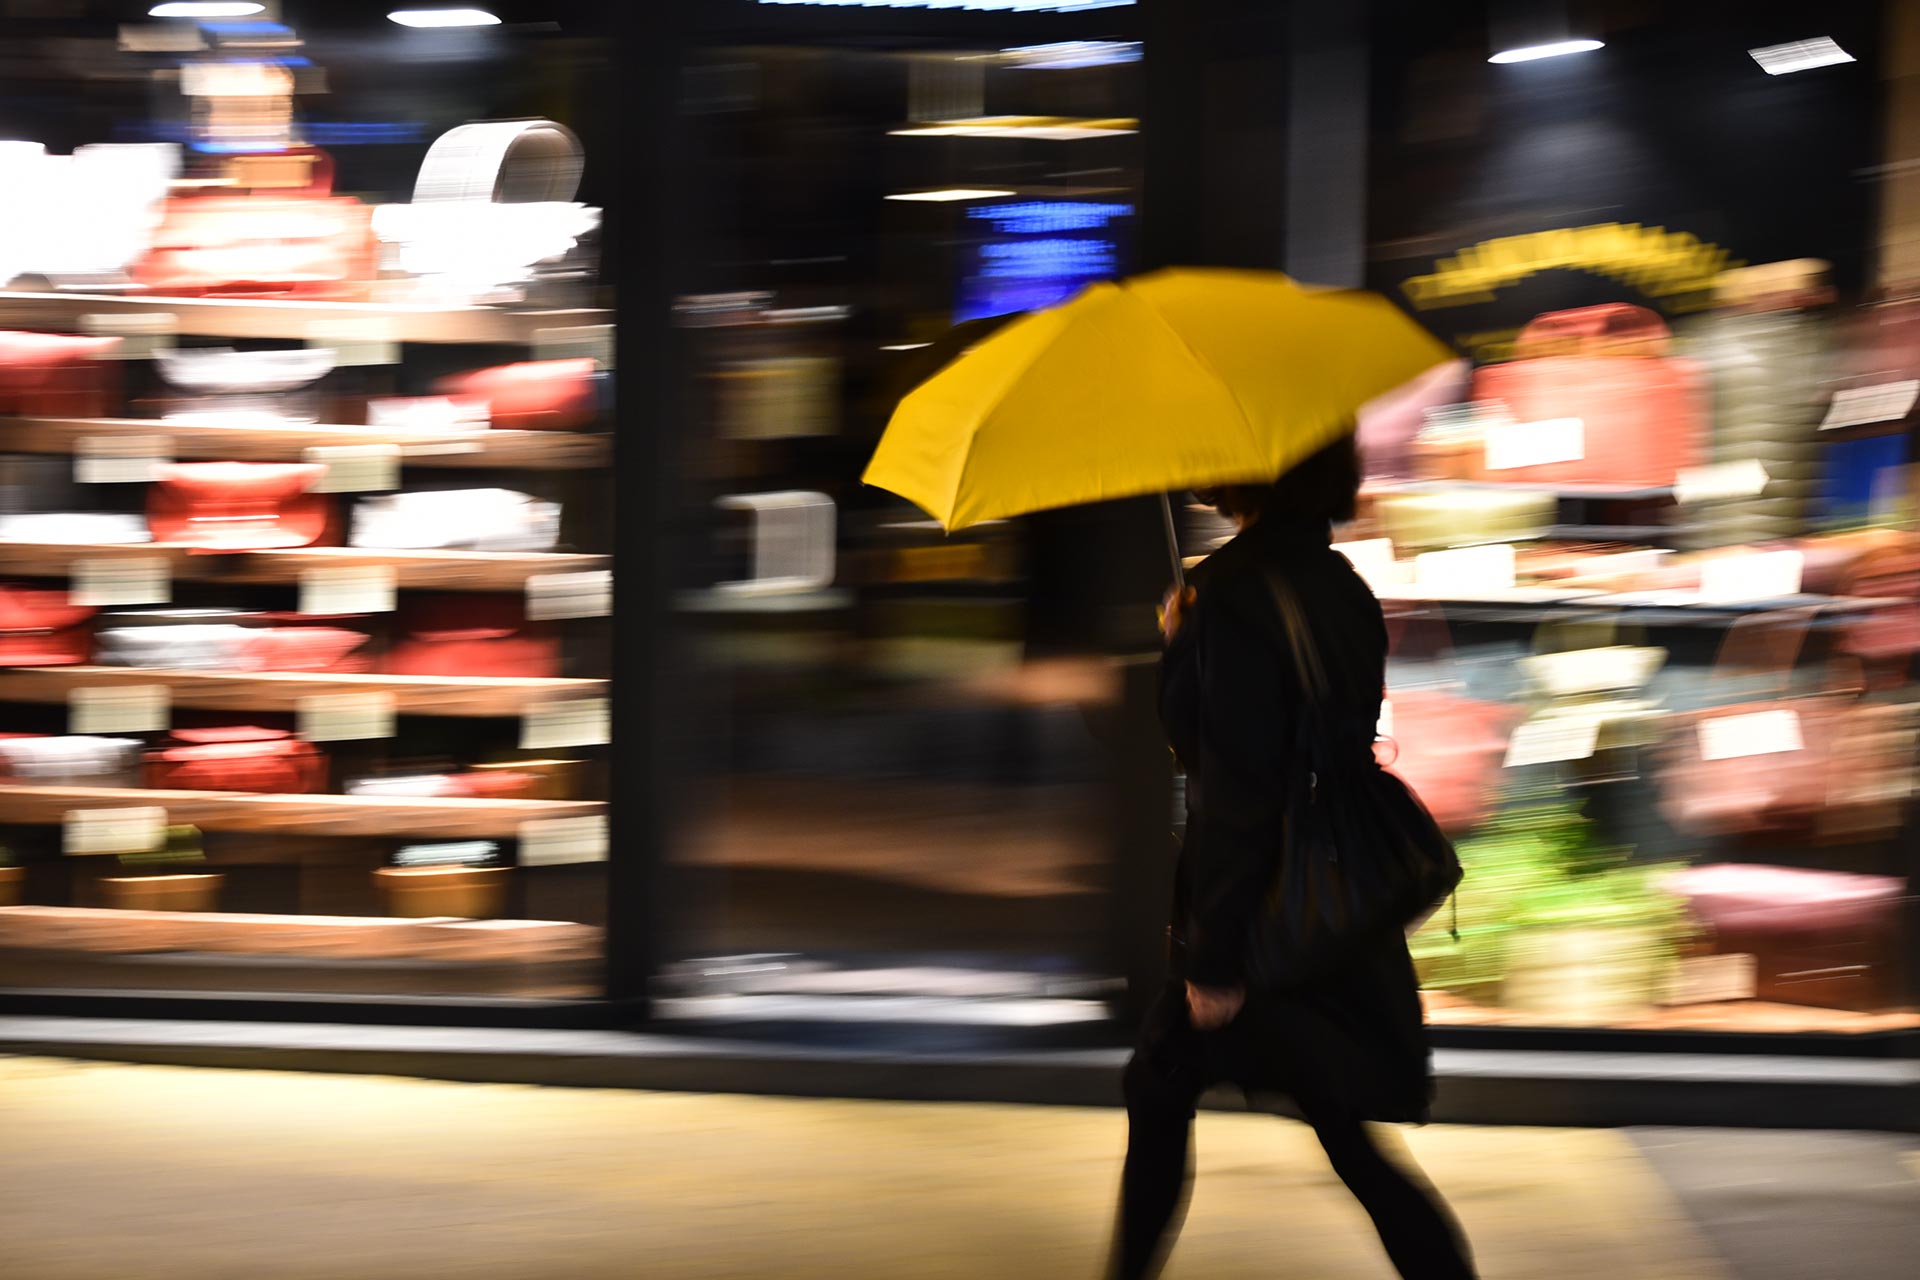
295	320
282	692
519	450
419	570
328	815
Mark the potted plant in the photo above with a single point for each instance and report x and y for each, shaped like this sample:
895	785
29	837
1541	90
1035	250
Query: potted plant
161	881
465	880
1554	923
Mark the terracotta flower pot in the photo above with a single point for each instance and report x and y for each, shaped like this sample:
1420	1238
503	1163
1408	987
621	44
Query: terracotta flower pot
195	891
468	893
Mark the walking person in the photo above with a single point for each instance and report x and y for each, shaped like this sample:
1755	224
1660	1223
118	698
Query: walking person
1349	1047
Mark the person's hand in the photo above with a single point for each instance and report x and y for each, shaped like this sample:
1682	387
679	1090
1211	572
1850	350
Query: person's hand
1173	611
1211	1008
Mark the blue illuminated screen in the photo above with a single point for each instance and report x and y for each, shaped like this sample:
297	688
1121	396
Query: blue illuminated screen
1035	253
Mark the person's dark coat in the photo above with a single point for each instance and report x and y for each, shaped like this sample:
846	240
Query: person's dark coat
1229	692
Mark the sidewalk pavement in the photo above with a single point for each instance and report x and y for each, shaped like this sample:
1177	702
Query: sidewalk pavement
159	1172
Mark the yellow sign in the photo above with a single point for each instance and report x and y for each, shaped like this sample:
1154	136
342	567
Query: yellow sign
1653	260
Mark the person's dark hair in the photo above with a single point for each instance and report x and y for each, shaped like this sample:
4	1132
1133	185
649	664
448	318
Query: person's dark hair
1321	486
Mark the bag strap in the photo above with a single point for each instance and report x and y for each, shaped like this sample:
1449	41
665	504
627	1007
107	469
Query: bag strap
1306	654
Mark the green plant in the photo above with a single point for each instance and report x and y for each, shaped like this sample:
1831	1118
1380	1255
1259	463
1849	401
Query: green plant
1538	865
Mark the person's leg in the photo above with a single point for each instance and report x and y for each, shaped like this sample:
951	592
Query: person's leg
1163	1082
1419	1231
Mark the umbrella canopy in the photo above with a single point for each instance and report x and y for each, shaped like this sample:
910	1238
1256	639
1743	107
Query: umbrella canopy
1176	380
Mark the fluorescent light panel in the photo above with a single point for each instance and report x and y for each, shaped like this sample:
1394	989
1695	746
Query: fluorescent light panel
443	18
1065	55
950	194
1535	52
205	9
1799	55
1043	128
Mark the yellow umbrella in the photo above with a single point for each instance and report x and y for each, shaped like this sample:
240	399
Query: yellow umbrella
1175	380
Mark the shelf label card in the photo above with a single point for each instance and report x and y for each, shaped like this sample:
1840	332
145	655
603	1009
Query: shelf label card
118	581
1465	571
119	459
579	722
1713	979
111	831
143	334
1755	733
342	589
552	597
1744	479
1535	444
549	842
1553	739
356	468
591	341
368	340
1769	575
1862	406
124	708
346	717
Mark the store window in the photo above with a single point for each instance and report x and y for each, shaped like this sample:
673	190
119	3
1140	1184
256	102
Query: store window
1646	547
304	522
904	763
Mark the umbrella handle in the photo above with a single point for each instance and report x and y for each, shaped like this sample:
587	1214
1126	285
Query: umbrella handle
1173	541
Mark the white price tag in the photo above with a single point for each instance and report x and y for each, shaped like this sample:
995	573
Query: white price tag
119	459
1714	979
1755	733
346	717
1383	728
552	726
339	589
1371	558
1860	406
133	708
1770	575
1744	479
546	842
1552	739
593	341
143	335
1607	669
427	414
106	831
356	468
1535	444
552	597
1466	571
119	581
369	341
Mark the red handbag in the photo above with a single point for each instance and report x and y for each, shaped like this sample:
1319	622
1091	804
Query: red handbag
321	650
1644	410
1445	746
238	758
536	395
39	628
1824	938
239	506
54	375
258	246
472	636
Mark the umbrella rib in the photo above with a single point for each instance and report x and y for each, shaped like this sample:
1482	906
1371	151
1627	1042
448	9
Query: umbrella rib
1206	367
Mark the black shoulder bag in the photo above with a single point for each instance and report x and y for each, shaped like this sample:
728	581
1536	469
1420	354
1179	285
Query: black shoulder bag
1361	860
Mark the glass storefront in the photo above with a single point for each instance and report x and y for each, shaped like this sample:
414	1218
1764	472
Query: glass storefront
304	505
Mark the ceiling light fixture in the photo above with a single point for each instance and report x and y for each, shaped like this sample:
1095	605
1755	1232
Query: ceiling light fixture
1555	49
1066	55
205	9
1799	55
948	195
1042	128
443	18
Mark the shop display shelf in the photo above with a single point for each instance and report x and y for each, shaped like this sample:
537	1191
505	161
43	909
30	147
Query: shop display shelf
297	320
520	450
299	815
419	570
284	692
